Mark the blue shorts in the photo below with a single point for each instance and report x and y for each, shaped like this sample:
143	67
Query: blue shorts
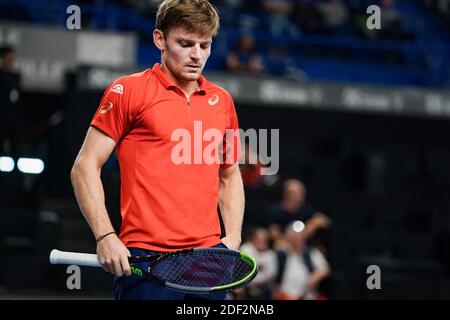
137	288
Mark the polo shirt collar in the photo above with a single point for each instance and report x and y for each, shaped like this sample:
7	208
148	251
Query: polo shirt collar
168	83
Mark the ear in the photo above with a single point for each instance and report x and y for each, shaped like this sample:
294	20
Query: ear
158	39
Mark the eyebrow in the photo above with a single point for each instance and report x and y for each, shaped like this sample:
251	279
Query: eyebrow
192	41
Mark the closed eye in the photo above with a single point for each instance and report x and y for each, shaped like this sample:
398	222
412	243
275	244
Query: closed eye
187	44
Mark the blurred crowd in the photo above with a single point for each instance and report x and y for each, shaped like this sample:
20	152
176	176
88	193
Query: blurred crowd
290	250
260	36
296	39
294	17
287	19
441	8
288	239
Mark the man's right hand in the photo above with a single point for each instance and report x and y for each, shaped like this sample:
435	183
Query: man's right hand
113	255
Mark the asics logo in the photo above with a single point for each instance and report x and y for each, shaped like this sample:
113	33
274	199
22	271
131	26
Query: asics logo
213	100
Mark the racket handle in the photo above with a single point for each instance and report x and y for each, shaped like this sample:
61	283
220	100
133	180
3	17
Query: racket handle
81	259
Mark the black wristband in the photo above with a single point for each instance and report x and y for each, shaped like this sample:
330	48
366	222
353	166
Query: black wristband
104	236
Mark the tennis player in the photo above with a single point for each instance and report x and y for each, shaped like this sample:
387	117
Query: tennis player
165	206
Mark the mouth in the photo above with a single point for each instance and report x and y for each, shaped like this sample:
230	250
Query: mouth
193	66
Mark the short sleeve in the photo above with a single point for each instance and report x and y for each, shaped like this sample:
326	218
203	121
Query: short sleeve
113	116
231	146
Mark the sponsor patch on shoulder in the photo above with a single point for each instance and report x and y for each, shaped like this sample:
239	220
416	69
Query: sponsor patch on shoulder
118	88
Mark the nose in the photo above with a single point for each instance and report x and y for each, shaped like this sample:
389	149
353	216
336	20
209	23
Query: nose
195	52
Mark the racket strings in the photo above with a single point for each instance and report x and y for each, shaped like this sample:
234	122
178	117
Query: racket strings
203	269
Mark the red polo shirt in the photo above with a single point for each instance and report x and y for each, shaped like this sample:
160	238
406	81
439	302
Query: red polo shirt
167	204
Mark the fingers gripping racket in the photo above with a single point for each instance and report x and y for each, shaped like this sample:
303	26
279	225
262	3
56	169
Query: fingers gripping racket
193	271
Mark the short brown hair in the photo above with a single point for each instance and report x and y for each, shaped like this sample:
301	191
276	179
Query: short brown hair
194	15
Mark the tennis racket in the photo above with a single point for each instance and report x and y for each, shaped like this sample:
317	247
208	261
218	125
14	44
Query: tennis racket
205	270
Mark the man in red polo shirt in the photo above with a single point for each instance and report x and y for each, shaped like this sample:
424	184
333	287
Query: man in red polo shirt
166	204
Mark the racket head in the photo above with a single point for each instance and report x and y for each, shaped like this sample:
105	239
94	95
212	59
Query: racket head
204	270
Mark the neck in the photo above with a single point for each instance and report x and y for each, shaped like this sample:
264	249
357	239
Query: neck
187	86
295	249
290	206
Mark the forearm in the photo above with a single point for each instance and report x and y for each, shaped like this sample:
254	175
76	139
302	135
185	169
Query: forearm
317	276
265	275
231	203
89	192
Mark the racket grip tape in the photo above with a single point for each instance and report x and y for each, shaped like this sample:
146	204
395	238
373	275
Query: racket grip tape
74	258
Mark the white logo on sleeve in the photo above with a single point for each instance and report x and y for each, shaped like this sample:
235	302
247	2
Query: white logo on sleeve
118	88
213	100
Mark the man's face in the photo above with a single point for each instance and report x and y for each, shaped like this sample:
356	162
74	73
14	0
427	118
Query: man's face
261	240
296	239
8	61
183	53
294	193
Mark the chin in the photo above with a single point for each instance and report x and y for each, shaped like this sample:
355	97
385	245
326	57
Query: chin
191	76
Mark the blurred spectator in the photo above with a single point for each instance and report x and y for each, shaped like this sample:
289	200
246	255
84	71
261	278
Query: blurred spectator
292	207
307	17
258	247
242	14
9	102
247	6
244	58
8	57
235	5
146	8
278	62
441	9
392	26
278	12
301	268
391	23
335	14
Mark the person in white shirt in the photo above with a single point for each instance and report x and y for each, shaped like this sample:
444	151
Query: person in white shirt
303	268
258	247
